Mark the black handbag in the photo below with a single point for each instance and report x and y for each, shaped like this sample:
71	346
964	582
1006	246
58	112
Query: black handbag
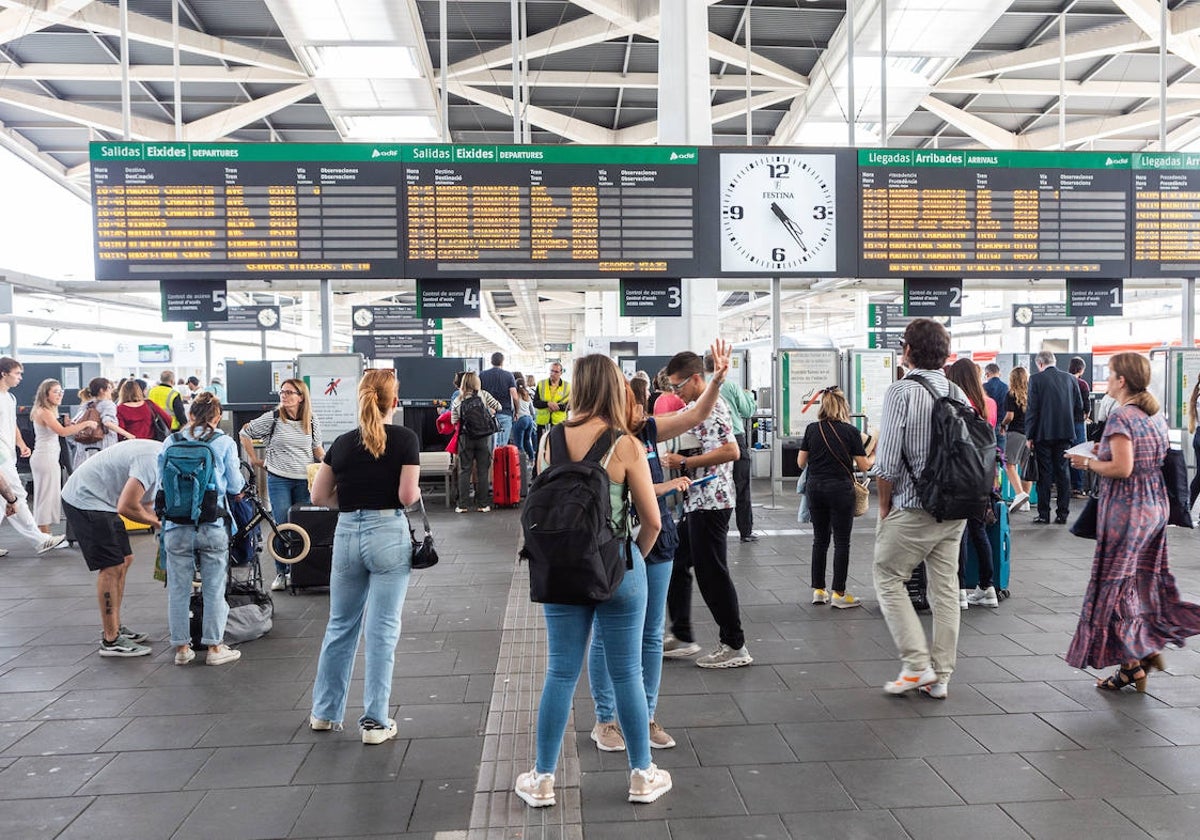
1174	470
1085	525
424	553
1027	466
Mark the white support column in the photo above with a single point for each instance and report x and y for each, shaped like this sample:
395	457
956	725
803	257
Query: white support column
1188	285
326	316
684	116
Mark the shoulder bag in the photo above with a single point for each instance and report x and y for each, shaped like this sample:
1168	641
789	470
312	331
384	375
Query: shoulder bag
424	554
862	495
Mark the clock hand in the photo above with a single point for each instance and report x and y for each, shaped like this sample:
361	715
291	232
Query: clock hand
788	225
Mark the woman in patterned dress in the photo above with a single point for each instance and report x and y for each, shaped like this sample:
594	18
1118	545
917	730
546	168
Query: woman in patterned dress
1131	609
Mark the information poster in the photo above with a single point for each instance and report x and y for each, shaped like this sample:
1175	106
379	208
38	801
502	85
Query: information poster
332	382
871	372
805	374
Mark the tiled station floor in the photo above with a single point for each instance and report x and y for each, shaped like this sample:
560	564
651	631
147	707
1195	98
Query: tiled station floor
801	744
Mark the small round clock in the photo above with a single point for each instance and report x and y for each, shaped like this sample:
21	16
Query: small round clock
363	317
1023	315
267	318
778	213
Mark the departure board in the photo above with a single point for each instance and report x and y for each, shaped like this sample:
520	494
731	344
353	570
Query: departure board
496	211
198	210
1166	215
995	213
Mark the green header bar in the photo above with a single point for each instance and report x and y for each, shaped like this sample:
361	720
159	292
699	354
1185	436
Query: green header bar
369	152
922	158
1166	160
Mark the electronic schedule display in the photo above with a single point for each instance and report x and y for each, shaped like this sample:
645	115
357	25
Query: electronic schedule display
1166	215
998	213
557	210
211	210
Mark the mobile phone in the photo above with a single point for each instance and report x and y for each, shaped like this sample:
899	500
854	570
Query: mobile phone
700	482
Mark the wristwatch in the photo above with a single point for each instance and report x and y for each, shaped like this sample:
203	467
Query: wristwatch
683	464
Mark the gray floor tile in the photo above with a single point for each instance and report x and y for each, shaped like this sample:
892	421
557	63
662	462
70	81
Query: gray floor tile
39	678
809	787
696	792
866	703
780	707
1075	818
699	710
1027	697
1040	668
995	778
24	705
151	733
45	777
262	766
245	814
1095	773
148	771
1175	767
1179	726
726	828
442	804
1105	730
255	728
1163	817
120	816
893	783
440	720
816	675
833	741
846	825
926	737
40	819
342	757
64	737
342	810
726	745
1014	733
979	822
99	703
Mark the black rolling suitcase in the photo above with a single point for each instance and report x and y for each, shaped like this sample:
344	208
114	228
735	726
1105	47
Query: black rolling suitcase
320	523
916	586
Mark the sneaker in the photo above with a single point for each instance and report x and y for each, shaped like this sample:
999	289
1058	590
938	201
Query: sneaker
51	543
608	737
485	509
820	596
183	657
677	648
649	784
463	510
937	690
908	680
964	600
3	552
121	646
316	724
374	732
1078	494
984	597
132	635
221	655
845	601
279	584
536	789
722	657
1025	507
660	739
1019	501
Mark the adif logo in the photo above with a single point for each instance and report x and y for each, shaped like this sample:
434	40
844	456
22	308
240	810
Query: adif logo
378	153
683	155
1118	161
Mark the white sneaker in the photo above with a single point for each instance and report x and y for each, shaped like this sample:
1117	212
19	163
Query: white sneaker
535	789
51	543
374	732
845	601
649	784
674	648
964	600
908	680
317	724
1025	508
222	655
279	584
1020	499
183	657
984	597
937	690
724	657
820	596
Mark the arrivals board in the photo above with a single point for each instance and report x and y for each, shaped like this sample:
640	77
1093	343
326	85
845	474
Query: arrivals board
1166	215
994	213
225	211
496	211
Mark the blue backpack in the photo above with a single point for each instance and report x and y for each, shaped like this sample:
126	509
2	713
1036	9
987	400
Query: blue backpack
188	488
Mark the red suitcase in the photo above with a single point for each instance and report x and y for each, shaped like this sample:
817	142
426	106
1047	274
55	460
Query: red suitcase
506	477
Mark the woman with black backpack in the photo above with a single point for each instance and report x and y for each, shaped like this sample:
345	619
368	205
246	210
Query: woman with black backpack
474	410
598	426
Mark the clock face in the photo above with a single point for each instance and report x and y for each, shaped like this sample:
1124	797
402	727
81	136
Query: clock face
363	317
1024	315
778	213
267	318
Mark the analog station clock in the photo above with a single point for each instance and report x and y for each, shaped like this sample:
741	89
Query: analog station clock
778	213
267	318
1023	315
363	317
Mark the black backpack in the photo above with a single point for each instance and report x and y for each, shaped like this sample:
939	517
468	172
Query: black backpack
573	552
960	472
477	421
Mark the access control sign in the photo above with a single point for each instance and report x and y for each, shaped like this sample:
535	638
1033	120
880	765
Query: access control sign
448	298
651	298
194	300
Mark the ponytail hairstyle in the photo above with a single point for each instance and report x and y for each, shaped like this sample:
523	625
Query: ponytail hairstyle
635	398
42	399
834	405
522	389
468	385
205	415
1018	386
1135	369
377	393
94	389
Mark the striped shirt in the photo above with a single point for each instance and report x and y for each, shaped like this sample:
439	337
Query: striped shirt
289	450
906	427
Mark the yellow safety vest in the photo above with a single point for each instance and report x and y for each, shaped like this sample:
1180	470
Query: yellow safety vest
163	396
548	393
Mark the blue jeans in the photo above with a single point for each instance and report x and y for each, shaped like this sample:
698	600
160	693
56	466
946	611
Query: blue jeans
283	493
658	578
522	435
181	547
372	560
1080	437
505	422
621	618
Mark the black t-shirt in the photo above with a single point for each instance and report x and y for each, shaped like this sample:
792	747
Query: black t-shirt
1017	424
367	483
1085	393
831	462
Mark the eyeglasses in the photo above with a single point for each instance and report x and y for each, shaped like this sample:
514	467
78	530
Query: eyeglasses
675	387
288	392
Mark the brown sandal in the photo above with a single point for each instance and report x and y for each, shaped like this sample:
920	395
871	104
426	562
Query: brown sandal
1155	662
1135	676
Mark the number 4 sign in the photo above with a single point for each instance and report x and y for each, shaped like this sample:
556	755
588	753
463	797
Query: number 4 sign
651	298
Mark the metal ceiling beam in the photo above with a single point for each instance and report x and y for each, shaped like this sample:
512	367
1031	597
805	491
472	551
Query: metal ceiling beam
20	146
643	81
989	134
648	132
1098	128
105	20
99	118
579	131
1094	43
24	19
146	73
1147	15
1015	87
578	33
222	123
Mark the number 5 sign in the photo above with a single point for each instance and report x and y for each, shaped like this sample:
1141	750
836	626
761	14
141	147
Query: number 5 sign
448	298
651	298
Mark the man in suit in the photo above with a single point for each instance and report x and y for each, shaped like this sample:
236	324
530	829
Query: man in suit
1050	426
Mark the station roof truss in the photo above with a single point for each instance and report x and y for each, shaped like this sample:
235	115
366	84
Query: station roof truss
961	74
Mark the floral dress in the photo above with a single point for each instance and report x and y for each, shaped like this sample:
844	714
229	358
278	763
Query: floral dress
1131	608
